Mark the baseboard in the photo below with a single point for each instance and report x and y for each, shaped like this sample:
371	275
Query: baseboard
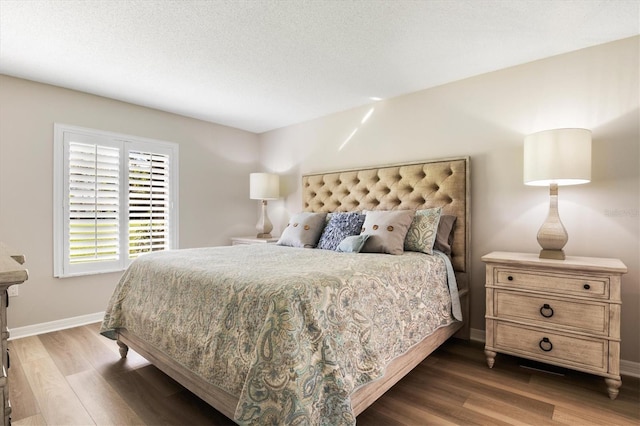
476	335
47	327
627	368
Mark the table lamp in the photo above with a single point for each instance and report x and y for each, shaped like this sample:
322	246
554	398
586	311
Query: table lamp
554	158
264	186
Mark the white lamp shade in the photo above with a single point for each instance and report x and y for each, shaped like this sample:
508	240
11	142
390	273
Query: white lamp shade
560	156
264	186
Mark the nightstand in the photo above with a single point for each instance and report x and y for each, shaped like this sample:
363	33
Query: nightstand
560	312
236	241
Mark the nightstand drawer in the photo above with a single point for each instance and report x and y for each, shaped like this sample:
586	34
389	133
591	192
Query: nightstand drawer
577	285
572	315
570	351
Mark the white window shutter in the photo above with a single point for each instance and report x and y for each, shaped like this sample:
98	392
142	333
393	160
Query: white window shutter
115	197
94	208
149	202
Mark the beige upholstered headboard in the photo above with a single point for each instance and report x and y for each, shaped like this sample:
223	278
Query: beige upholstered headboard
443	183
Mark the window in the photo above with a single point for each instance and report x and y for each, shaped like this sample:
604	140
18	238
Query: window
115	197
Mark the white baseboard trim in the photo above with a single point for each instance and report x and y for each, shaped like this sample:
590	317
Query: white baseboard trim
627	368
47	327
476	335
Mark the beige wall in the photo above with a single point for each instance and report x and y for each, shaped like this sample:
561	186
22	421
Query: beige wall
487	118
215	162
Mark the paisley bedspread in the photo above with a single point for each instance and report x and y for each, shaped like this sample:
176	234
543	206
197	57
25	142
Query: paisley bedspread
292	332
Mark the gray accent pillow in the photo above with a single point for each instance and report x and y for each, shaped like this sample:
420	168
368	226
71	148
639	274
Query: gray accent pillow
340	226
352	244
423	230
303	230
387	230
444	238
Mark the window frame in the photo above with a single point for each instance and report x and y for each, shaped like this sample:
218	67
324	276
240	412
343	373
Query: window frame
61	266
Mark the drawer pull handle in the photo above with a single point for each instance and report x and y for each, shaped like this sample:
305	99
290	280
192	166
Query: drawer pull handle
547	344
586	286
546	309
510	278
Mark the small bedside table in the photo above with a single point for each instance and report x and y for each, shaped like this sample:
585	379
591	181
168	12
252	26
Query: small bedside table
561	312
236	241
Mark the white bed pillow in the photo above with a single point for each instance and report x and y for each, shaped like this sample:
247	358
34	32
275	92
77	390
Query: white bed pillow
387	230
303	230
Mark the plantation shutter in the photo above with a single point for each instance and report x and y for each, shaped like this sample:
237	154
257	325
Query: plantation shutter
149	202
93	203
115	197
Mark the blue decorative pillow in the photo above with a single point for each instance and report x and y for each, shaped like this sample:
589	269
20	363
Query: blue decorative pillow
353	244
340	226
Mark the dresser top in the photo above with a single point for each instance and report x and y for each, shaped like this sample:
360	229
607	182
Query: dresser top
11	269
254	239
596	264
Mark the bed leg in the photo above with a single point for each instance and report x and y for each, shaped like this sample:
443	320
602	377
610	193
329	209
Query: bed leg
124	349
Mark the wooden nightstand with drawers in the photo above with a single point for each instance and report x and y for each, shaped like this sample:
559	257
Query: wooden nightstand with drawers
560	312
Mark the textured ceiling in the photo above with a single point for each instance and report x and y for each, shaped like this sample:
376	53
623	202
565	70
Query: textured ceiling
261	65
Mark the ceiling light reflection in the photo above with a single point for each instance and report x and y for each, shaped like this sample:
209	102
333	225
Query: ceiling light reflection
348	139
367	115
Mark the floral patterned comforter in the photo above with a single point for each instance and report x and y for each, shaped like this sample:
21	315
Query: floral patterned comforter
291	332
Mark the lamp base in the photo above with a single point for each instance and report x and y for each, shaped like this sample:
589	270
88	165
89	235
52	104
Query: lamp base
552	235
264	226
552	254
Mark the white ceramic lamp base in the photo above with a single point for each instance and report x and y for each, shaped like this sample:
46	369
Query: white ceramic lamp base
264	226
552	235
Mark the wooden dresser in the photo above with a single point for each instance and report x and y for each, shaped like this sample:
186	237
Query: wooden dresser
11	272
560	312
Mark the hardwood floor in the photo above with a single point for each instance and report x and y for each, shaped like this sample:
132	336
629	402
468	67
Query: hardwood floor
76	376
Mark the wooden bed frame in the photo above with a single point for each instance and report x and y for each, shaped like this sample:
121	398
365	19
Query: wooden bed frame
436	183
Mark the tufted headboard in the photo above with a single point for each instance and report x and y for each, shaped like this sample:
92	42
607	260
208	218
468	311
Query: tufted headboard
443	183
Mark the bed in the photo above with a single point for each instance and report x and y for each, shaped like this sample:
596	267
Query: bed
309	343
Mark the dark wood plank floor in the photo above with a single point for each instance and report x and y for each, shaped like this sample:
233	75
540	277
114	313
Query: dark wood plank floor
76	376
